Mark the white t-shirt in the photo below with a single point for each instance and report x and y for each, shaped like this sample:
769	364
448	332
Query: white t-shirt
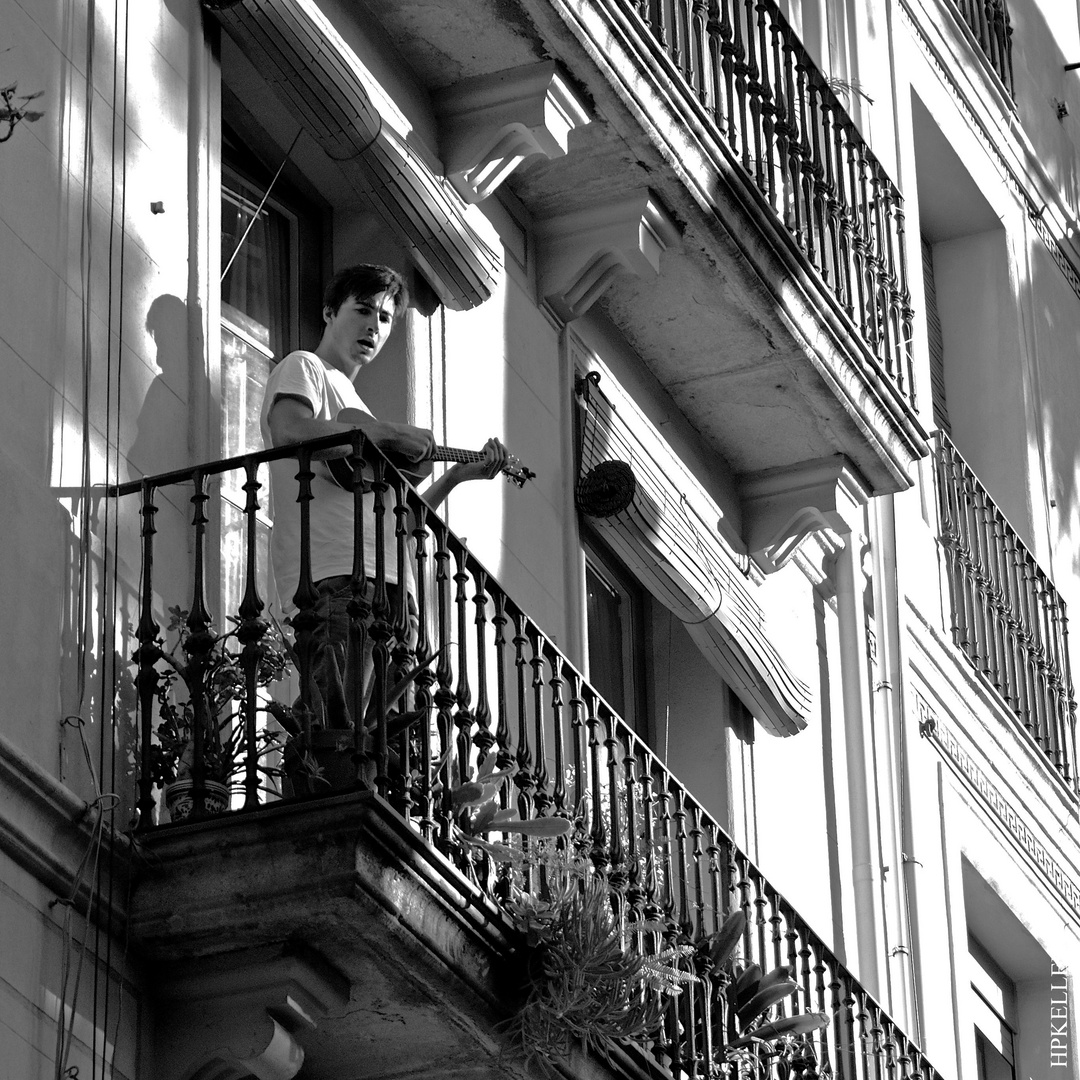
303	375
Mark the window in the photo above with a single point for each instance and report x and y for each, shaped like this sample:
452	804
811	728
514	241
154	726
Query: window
269	263
615	613
994	1007
1011	984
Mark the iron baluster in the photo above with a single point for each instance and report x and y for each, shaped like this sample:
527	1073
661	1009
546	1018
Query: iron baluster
307	619
249	633
598	832
197	645
463	716
358	610
444	693
483	739
147	655
523	777
504	757
382	630
541	795
426	677
558	733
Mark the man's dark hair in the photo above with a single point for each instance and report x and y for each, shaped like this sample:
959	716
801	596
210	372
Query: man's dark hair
363	281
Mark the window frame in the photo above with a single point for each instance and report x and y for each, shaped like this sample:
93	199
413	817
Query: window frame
603	563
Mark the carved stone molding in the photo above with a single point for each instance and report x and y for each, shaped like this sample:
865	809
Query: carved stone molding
239	1015
322	82
582	252
493	123
46	829
782	507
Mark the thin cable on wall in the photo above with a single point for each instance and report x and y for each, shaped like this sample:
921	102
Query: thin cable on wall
110	553
262	203
86	362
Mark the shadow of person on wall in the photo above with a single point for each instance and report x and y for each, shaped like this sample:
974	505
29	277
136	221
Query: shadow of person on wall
162	441
167	429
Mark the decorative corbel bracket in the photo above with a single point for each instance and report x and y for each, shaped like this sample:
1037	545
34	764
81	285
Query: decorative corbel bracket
490	124
239	1015
782	507
582	252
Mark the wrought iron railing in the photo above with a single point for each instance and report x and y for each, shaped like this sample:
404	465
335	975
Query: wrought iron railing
499	689
1007	615
786	126
989	21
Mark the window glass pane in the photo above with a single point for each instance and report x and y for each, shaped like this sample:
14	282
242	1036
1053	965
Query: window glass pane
991	1064
256	287
257	316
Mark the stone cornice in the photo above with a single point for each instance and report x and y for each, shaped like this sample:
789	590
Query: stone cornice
46	829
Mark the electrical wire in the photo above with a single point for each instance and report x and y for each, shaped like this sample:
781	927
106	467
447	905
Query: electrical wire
262	203
111	535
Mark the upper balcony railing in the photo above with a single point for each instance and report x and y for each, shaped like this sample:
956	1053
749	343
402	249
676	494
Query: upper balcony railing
499	690
1007	616
989	22
787	128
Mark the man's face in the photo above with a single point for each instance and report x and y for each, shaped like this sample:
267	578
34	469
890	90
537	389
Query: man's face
356	332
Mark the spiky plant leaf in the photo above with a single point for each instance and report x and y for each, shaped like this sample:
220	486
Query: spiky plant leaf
764	1000
548	826
725	941
803	1024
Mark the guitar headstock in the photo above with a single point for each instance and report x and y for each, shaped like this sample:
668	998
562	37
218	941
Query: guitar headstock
516	473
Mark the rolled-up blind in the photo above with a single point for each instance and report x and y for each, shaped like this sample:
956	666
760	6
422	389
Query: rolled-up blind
662	524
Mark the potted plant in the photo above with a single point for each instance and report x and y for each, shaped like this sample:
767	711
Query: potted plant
205	696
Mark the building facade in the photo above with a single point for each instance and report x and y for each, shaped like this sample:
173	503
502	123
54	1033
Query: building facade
778	301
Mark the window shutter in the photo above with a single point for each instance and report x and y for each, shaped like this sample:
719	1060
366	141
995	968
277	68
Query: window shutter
937	341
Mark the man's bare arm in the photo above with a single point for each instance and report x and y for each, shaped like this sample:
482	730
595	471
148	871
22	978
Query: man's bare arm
291	420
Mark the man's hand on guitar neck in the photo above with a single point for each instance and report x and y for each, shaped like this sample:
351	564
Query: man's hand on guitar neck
495	459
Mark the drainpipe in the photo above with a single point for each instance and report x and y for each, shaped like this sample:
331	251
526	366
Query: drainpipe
851	618
889	716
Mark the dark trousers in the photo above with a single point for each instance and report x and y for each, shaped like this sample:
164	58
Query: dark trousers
334	691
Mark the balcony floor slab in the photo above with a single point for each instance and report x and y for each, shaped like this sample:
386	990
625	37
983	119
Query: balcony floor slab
425	956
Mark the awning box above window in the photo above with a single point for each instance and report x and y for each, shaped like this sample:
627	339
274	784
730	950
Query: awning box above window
662	523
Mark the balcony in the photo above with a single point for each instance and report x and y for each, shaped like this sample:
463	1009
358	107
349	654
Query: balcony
988	21
366	899
1007	616
795	142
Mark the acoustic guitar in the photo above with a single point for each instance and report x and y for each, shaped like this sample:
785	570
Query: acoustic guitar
343	469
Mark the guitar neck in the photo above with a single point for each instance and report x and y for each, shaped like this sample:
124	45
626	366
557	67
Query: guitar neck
341	469
453	453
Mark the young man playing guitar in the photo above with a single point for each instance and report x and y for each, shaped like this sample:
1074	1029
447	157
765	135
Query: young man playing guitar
311	394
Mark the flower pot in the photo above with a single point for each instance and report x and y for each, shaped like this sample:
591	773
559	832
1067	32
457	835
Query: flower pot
180	798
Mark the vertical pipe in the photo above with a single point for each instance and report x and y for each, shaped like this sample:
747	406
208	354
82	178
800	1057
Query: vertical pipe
853	676
887	710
